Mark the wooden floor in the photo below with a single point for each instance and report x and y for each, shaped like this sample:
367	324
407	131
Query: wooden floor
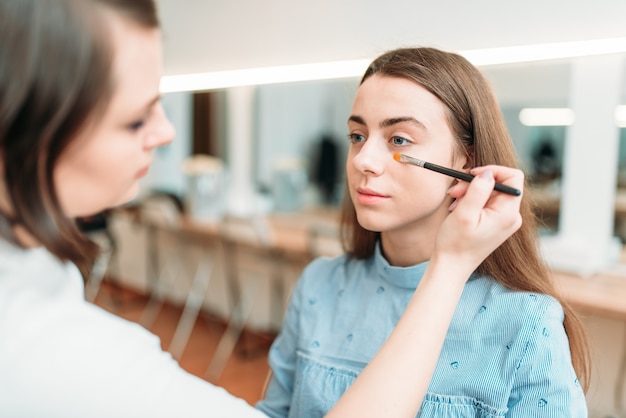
245	372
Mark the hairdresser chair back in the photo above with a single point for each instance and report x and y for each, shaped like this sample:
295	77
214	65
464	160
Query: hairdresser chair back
171	255
160	215
249	261
324	240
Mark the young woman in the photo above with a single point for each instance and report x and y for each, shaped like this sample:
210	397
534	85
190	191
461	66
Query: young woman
512	348
79	118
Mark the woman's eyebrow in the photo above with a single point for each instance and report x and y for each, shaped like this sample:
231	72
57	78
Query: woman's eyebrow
390	121
356	119
152	102
393	121
148	105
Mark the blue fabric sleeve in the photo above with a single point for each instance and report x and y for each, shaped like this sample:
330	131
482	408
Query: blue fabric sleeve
282	359
545	383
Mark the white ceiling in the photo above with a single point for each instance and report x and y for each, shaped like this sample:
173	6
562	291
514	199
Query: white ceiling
209	35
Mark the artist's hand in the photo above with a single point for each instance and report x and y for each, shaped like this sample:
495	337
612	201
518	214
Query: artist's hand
481	219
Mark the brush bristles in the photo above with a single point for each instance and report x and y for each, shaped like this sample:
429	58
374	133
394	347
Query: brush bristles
403	158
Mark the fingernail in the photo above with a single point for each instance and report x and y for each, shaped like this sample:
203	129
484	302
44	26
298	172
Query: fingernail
453	205
487	174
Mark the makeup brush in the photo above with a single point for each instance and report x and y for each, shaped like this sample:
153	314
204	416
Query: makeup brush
403	158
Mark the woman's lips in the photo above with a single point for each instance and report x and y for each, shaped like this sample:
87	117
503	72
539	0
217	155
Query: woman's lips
369	197
142	172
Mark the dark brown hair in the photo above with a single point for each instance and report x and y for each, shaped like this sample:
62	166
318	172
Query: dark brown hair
55	75
475	119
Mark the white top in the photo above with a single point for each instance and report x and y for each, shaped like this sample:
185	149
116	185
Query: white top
61	356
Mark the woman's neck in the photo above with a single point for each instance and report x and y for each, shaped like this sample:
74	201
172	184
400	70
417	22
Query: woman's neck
403	250
412	243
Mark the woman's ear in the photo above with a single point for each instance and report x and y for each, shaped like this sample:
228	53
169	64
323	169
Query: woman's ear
463	162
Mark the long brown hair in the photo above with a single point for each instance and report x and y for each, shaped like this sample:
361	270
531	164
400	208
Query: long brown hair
476	120
55	77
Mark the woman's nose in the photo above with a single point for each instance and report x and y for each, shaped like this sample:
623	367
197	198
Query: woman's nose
370	157
163	132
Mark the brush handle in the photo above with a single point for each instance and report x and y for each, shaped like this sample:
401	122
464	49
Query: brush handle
468	177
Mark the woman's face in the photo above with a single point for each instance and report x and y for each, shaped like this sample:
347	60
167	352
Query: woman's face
394	115
102	167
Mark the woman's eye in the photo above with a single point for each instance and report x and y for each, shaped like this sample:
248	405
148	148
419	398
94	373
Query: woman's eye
135	126
398	140
356	138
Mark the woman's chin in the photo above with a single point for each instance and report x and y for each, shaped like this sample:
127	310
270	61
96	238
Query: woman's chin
128	196
370	222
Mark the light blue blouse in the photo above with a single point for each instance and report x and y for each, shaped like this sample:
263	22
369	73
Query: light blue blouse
506	353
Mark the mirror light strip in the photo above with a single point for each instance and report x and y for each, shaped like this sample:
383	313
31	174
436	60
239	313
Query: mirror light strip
540	52
264	75
620	116
546	117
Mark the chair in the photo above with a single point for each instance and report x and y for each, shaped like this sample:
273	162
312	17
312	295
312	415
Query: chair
169	252
324	239
250	256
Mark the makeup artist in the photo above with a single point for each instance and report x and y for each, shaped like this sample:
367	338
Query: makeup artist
513	349
80	116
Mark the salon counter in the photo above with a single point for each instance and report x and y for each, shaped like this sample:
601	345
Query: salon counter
304	235
602	294
548	200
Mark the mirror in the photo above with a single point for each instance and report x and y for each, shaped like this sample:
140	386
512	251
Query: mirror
290	120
